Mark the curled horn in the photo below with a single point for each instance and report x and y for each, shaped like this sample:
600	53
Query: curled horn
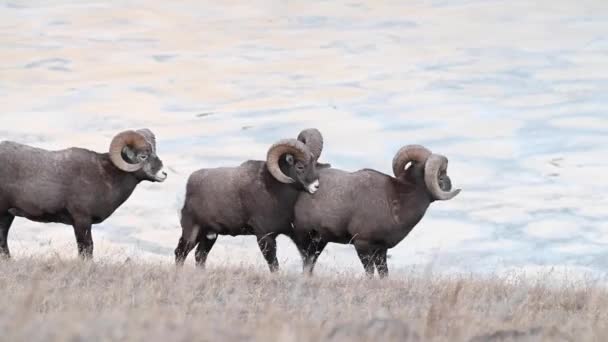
131	139
435	166
409	153
299	150
149	136
313	139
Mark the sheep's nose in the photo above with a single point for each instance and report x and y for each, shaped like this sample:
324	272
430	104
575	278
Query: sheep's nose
313	187
161	176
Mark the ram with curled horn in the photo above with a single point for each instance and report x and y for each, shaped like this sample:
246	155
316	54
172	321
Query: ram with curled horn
369	209
75	186
255	198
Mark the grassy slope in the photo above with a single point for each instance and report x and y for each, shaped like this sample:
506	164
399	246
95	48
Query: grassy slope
54	299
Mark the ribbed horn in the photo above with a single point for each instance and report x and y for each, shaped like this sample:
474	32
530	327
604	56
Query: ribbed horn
128	138
313	139
436	165
409	153
299	150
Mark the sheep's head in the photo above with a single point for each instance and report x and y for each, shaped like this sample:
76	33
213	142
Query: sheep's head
135	152
291	162
418	163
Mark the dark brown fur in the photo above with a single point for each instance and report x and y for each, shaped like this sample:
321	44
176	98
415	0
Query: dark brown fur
368	209
75	186
244	200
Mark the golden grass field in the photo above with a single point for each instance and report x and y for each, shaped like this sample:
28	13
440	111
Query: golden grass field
56	299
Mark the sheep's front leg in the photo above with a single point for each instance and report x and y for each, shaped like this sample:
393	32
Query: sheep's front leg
84	239
184	247
268	246
310	251
380	262
366	255
315	253
5	224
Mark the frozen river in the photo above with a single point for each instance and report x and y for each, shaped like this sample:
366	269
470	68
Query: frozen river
514	93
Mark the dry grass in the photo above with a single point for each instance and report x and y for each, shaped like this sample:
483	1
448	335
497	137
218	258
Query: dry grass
59	300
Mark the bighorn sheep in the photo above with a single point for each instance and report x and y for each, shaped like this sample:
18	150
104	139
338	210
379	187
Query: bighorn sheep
255	198
73	186
369	209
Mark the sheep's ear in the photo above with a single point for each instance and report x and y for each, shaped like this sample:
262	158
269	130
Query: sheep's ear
323	166
290	159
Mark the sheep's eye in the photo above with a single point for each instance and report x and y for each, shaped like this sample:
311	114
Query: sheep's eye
300	167
143	156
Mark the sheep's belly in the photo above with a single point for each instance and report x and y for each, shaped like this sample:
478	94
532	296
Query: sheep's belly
60	217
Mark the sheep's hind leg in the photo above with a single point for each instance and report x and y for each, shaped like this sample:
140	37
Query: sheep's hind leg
205	245
184	247
5	224
190	237
268	246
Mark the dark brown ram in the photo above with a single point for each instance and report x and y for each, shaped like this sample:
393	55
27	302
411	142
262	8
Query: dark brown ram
255	198
369	209
75	186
